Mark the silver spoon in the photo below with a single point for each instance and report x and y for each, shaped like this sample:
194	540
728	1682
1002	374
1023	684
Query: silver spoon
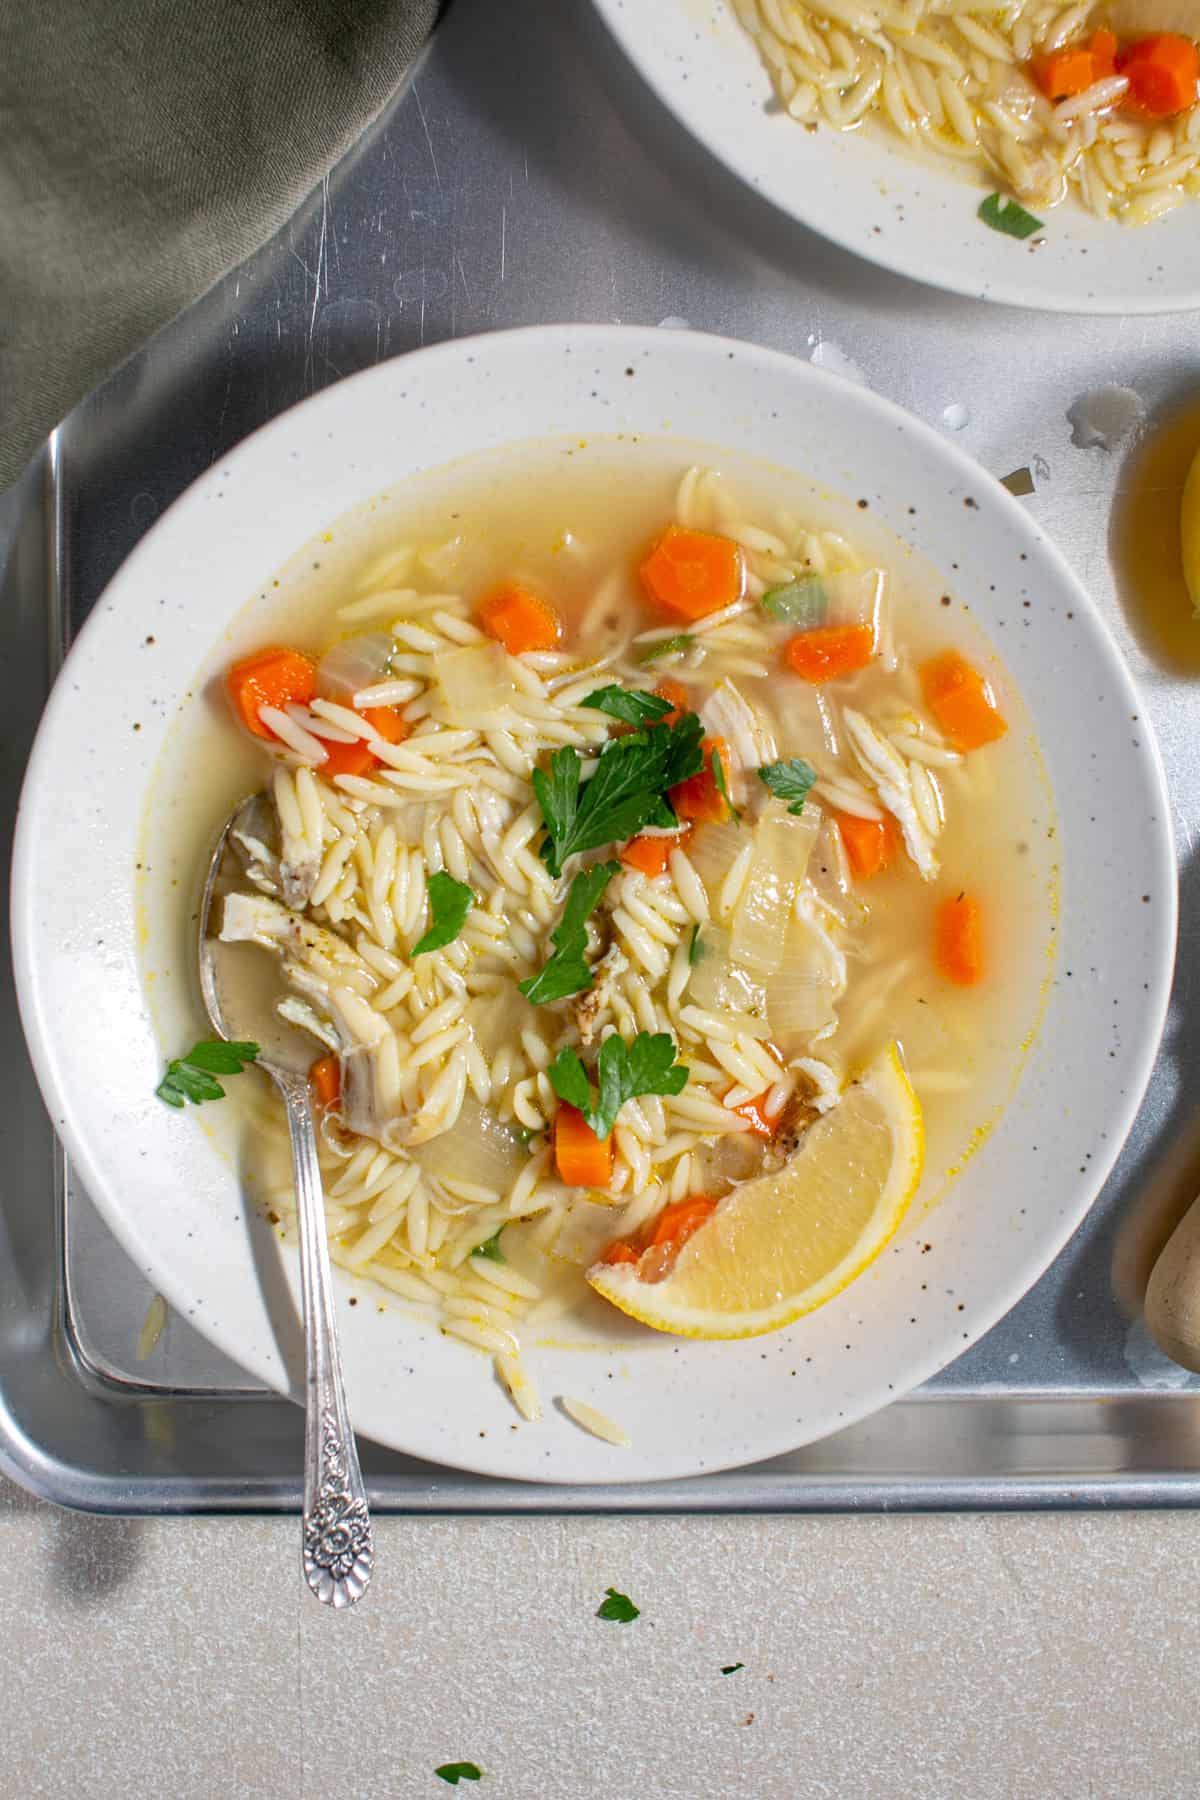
241	984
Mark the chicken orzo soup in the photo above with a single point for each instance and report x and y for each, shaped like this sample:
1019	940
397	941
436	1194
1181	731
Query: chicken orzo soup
661	864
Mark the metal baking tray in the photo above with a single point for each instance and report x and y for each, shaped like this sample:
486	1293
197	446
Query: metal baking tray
526	175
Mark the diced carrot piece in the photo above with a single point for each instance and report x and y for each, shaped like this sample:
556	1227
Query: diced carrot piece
1164	75
272	677
650	855
958	940
961	701
752	1111
1103	46
326	1079
870	843
582	1159
690	574
677	694
830	651
620	1252
699	798
519	618
387	722
677	1223
1062	73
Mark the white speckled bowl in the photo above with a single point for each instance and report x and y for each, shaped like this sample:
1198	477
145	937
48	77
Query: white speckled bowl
160	1179
908	215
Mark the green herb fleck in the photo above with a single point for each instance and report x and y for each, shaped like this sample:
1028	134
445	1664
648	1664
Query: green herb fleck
1006	216
526	1136
193	1077
635	708
566	972
618	1606
624	1071
1020	482
789	780
449	903
803	602
456	1772
626	792
672	646
718	775
694	945
490	1248
732	1668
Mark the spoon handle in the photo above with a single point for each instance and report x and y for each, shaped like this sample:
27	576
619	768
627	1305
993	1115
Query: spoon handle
338	1551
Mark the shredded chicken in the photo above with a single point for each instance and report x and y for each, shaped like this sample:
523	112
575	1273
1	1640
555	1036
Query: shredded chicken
589	1006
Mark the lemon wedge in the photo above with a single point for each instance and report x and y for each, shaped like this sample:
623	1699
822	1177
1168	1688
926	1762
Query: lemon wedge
1189	530
783	1244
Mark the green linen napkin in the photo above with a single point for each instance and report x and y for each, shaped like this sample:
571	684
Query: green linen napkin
146	146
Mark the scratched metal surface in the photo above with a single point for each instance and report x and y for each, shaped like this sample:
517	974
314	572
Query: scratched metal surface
526	175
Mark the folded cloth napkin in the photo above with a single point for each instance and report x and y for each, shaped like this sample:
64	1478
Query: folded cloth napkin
146	146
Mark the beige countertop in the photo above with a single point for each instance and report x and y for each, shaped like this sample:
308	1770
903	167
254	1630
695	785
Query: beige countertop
1010	1656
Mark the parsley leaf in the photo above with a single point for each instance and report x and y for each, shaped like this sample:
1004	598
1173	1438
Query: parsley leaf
449	903
567	972
624	1071
193	1077
618	1606
634	707
789	780
1007	216
625	793
716	764
490	1247
693	945
456	1772
672	646
732	1668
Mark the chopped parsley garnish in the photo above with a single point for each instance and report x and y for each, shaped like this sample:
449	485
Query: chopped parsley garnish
672	646
732	1668
802	602
789	780
624	1071
616	1605
456	1772
629	705
718	774
449	903
490	1247
1007	216
626	792
694	945
193	1077
567	972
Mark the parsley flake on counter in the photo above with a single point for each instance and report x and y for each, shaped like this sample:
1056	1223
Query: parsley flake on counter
566	972
789	780
1007	216
618	1606
625	1071
456	1772
672	646
626	792
629	704
732	1668
193	1077
449	903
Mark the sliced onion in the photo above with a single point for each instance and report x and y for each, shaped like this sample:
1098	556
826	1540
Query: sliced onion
782	846
719	985
353	664
480	1149
711	853
856	599
474	681
801	995
728	714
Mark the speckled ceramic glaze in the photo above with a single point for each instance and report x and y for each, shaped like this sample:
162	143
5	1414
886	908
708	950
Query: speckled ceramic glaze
175	1202
906	215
